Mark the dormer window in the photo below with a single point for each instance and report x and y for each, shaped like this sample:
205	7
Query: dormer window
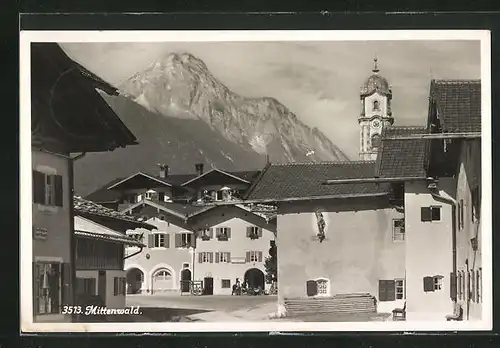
376	105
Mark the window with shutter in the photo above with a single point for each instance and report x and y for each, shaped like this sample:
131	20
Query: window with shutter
38	187
398	230
311	288
58	191
400	289
425	214
428	284
436	213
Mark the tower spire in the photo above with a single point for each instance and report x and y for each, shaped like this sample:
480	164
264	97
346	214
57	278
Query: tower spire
375	65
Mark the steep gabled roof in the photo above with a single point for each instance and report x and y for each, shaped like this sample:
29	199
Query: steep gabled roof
302	181
156	179
402	158
183	211
66	106
218	171
86	208
458	103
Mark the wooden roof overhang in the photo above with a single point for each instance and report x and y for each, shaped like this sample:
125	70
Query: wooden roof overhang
66	110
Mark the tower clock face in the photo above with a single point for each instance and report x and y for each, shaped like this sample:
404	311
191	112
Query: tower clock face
376	124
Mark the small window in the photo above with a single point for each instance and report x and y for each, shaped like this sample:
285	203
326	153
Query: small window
223	233
47	189
432	213
433	283
254	232
159	240
222	257
186	239
120	285
254	256
376	105
438	283
161	217
205	233
398	233
205	257
322	287
226	283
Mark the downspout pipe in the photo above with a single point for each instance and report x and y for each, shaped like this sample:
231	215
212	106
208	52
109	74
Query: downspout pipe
71	193
434	191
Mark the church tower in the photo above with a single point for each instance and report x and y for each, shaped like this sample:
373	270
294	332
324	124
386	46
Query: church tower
376	95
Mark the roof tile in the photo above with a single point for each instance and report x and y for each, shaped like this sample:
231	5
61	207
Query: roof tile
303	180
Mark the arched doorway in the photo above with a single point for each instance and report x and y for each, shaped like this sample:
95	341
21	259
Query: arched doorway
254	278
185	279
162	280
135	278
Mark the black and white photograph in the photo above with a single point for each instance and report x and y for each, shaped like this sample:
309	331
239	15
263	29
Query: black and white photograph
255	181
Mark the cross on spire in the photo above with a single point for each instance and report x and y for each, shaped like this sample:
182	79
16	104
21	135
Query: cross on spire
375	65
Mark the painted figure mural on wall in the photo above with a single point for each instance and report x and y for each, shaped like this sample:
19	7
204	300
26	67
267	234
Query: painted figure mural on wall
321	226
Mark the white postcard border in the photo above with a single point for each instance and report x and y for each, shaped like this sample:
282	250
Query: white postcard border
26	303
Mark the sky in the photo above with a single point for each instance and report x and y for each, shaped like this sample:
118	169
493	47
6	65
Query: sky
319	81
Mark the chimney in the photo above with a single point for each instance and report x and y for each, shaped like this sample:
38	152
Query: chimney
163	170
198	167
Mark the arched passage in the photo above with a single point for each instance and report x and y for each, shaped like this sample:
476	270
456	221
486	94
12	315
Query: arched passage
254	278
163	280
135	280
185	279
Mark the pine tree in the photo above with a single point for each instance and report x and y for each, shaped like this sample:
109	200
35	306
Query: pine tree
271	264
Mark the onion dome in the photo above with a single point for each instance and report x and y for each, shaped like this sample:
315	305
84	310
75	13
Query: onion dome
376	83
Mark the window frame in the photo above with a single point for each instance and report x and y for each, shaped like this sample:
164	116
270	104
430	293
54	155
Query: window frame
431	209
402	287
223	282
38	289
159	235
401	228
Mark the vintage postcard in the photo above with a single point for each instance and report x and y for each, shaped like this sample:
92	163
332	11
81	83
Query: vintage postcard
197	181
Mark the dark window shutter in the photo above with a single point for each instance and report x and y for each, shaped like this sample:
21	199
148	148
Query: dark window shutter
151	240
260	256
211	257
161	196
38	187
436	213
249	231
425	214
115	286
247	257
211	232
453	286
66	284
229	257
167	240
178	240
58	190
216	257
391	290
217	231
428	284
229	232
311	288
259	232
382	290
200	257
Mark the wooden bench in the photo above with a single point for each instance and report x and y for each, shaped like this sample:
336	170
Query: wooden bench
457	315
399	313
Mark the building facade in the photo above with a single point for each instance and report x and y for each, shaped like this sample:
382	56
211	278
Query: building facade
195	239
67	116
